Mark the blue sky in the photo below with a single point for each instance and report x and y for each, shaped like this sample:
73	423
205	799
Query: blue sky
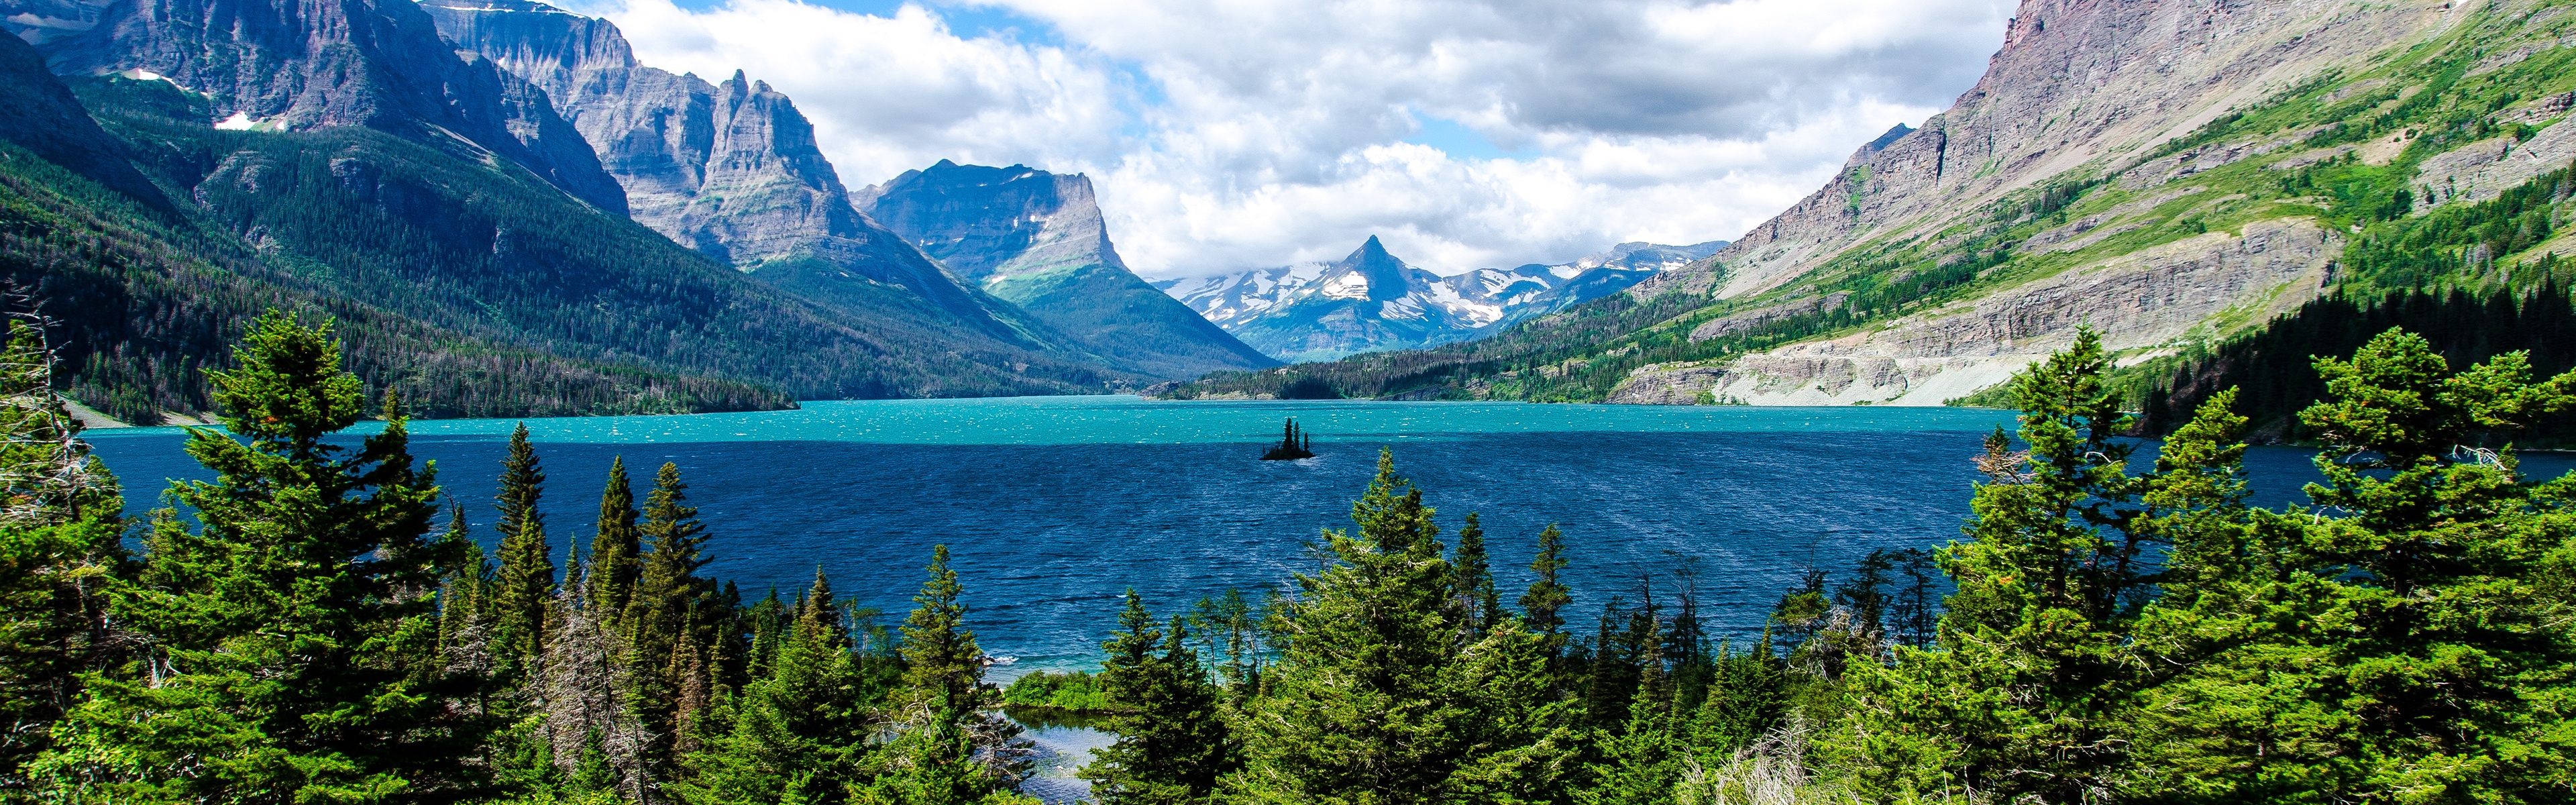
1231	134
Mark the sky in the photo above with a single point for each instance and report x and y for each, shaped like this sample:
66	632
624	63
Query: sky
1224	135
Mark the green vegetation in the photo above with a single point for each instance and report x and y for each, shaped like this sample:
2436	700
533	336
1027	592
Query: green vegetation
1071	691
2462	275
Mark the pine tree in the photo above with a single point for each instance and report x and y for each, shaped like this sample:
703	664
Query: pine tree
2371	656
798	733
527	559
1543	606
1357	710
1473	602
617	547
671	606
948	754
1173	744
296	648
1643	759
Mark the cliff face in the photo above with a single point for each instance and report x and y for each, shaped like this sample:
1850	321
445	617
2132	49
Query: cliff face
297	65
1038	240
2087	99
730	169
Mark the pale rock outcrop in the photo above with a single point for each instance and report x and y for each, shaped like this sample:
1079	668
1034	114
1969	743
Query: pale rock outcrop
2137	301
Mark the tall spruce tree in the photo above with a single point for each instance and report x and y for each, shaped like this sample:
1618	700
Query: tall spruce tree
800	732
1357	709
617	545
1474	604
1543	606
295	648
672	614
948	752
2415	647
1173	743
527	559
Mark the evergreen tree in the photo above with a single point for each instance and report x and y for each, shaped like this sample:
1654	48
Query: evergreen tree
295	653
1543	606
799	733
1173	744
527	559
1643	760
1357	711
672	614
616	550
2374	656
1472	600
949	753
1748	695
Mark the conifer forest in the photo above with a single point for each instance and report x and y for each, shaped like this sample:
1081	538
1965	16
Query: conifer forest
2108	627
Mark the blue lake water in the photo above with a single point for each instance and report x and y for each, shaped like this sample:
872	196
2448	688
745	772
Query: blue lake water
1053	506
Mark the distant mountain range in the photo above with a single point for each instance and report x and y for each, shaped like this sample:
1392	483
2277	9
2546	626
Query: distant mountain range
1372	300
509	216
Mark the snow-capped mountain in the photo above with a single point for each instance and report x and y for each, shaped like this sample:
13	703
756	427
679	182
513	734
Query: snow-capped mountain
1373	301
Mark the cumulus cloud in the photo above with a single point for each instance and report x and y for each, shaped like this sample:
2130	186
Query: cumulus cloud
1230	134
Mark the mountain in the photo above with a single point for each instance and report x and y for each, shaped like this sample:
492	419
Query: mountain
1371	301
2176	176
344	161
287	66
1038	240
729	168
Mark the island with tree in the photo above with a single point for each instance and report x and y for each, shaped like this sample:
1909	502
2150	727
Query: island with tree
1294	443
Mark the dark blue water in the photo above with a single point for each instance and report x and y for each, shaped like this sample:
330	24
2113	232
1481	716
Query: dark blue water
1054	506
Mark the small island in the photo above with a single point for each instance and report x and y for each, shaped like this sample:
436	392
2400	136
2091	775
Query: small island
1293	444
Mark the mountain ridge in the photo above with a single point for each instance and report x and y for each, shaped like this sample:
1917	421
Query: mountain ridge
1039	240
1308	311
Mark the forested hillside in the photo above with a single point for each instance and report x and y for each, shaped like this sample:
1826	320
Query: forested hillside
2104	632
473	285
2314	151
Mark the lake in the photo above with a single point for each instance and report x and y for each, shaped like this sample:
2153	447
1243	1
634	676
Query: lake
1054	506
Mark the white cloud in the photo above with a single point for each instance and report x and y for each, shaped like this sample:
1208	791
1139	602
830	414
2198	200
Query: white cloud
1228	134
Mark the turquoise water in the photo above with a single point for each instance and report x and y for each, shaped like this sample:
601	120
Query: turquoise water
1055	505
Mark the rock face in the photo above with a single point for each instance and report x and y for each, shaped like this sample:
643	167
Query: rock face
1372	301
730	169
294	66
2145	298
2080	87
1037	239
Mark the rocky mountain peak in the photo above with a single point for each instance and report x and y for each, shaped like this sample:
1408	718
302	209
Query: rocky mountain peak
731	169
288	65
1038	239
1373	274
